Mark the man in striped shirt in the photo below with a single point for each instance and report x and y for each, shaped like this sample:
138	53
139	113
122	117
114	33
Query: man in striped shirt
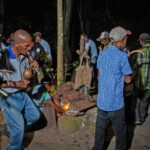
113	70
142	85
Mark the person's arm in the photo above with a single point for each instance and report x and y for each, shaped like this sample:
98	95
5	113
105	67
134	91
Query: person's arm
48	101
51	103
126	69
127	79
15	84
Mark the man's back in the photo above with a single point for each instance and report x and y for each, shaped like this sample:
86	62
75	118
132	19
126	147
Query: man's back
39	38
47	48
112	65
91	48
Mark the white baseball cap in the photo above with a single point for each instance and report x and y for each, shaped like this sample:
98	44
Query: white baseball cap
118	33
103	35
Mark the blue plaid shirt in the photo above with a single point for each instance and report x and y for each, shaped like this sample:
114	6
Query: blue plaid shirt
112	65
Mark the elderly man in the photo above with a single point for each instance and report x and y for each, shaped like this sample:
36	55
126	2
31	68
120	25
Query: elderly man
17	107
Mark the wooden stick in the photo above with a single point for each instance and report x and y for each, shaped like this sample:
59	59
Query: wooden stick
136	51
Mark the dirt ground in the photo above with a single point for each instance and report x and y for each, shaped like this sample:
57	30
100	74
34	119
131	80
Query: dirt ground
53	139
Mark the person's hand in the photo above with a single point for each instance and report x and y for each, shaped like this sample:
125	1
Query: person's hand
34	64
128	52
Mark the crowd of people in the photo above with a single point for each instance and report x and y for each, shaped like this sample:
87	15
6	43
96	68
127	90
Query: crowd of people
113	62
114	70
111	70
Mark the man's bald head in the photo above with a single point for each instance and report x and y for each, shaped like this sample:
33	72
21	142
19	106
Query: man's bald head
21	35
22	42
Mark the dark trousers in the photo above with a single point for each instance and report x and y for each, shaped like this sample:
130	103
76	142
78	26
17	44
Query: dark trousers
94	75
141	102
117	119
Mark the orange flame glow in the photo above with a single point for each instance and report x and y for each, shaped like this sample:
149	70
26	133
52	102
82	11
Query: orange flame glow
66	106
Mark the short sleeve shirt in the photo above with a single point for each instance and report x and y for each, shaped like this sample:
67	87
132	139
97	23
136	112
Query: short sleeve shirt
112	65
91	48
19	65
40	94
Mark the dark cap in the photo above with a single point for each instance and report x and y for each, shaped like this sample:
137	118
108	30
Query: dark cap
145	37
103	35
46	80
37	34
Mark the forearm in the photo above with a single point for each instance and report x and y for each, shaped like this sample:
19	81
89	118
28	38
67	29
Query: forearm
13	84
8	84
51	103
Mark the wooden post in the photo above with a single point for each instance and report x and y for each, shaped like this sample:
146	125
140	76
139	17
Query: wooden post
50	115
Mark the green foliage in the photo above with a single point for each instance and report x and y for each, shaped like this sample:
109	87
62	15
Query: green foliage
47	68
44	62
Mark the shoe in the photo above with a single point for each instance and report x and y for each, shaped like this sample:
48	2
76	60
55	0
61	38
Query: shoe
137	122
142	121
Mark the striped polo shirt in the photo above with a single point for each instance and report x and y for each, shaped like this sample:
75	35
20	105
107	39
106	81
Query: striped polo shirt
19	65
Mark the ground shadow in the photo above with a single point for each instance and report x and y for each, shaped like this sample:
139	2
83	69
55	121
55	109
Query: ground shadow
130	117
130	135
3	132
28	137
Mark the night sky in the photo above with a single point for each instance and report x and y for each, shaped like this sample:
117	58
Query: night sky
127	9
131	14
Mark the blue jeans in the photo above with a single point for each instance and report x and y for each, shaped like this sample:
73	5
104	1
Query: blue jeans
18	109
117	119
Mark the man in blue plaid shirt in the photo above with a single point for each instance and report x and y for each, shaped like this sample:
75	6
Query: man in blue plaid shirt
114	69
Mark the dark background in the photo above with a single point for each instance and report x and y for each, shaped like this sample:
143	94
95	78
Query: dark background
104	15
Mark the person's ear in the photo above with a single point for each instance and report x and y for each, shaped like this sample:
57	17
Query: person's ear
16	44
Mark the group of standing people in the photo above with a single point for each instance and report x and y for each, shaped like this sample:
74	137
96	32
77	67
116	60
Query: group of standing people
21	113
114	70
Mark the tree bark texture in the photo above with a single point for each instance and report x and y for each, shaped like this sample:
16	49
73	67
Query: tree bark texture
1	15
60	62
68	4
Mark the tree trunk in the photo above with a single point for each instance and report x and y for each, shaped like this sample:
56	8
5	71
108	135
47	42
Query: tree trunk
60	70
1	15
68	4
88	12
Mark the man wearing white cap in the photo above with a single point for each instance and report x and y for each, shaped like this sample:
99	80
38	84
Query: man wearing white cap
113	70
104	40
